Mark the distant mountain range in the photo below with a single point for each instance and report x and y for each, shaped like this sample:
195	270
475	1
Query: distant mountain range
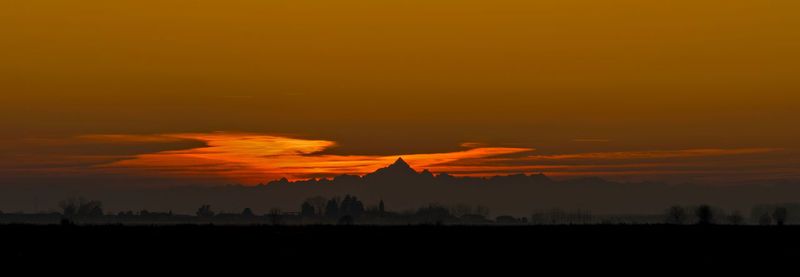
403	188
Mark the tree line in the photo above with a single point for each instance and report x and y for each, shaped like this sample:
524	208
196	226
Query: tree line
351	210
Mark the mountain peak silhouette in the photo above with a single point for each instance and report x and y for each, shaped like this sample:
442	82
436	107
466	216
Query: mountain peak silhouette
400	163
398	170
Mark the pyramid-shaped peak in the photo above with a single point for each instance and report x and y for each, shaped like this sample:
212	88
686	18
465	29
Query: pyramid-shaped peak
400	162
398	170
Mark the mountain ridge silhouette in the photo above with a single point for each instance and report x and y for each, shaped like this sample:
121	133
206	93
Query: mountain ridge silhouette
400	170
403	189
402	185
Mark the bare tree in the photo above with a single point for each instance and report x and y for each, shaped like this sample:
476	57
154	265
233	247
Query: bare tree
275	216
482	211
735	218
539	218
460	210
91	208
557	216
764	219
704	214
676	215
69	206
307	210
205	211
780	214
81	207
318	203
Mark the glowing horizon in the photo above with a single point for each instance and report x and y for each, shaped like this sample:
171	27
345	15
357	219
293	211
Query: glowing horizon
252	158
258	156
131	92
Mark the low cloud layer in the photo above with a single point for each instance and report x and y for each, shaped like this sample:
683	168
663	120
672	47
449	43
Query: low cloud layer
251	158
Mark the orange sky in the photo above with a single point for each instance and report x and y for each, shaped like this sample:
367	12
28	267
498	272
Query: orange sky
664	90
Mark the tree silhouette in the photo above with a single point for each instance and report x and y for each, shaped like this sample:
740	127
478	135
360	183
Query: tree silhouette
307	209
247	212
779	214
539	218
506	219
704	215
76	206
764	219
68	210
351	206
332	208
91	208
69	206
275	216
318	203
205	211
735	218
557	216
676	215
482	211
460	210
433	213
346	220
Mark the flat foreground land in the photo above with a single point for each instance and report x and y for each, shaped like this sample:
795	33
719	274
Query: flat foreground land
653	244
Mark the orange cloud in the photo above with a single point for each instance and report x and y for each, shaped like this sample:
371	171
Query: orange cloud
652	154
256	157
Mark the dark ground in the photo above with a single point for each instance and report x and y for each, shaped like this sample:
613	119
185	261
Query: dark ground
662	245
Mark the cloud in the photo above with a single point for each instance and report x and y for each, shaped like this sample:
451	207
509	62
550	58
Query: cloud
252	158
261	157
472	144
118	138
651	154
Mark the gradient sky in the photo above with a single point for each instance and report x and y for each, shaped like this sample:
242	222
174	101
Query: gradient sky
701	91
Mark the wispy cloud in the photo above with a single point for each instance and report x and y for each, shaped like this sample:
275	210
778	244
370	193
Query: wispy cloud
265	156
118	138
651	154
252	158
472	144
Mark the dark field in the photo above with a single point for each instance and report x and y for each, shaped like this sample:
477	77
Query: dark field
664	245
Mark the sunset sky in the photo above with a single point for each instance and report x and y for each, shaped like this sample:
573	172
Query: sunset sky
175	92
